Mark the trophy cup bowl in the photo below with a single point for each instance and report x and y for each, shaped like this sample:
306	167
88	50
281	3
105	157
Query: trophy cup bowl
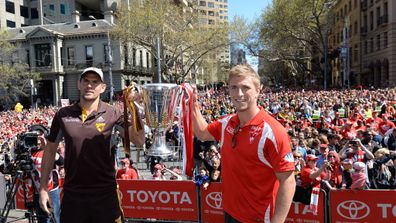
160	102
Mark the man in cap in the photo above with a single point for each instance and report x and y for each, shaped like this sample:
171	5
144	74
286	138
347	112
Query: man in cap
90	188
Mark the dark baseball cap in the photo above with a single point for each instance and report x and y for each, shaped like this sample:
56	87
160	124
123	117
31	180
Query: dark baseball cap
95	70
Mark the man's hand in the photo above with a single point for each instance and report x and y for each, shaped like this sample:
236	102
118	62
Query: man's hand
44	200
133	95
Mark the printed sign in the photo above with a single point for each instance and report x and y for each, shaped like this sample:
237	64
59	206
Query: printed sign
212	209
166	200
363	206
300	212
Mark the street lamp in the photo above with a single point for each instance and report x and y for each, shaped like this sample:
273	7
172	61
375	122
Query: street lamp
110	61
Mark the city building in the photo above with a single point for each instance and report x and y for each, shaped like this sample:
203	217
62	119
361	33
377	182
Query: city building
214	12
59	52
238	55
362	43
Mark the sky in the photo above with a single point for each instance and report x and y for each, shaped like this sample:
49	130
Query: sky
249	9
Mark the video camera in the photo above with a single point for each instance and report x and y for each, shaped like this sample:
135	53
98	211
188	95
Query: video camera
25	144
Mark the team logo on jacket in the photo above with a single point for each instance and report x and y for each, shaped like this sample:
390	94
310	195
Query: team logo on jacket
100	119
100	126
254	131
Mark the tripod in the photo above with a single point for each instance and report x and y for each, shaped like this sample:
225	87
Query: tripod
19	180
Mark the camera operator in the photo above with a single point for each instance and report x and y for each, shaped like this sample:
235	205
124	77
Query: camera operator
53	183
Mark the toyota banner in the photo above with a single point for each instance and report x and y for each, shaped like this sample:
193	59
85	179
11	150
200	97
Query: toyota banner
347	206
167	200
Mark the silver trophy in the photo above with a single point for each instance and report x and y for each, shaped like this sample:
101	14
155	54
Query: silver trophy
160	102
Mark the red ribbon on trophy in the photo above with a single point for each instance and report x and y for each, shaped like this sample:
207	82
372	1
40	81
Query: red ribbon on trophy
188	147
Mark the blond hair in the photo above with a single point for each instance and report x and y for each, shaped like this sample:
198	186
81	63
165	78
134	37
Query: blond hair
383	151
244	70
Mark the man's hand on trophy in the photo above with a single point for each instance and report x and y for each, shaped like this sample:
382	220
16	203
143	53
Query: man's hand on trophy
133	94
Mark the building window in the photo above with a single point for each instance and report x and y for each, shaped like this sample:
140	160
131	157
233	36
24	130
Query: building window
10	7
24	11
211	13
89	55
202	3
33	13
147	60
43	55
371	45
378	16
126	56
378	42
356	27
211	4
385	39
355	4
141	58
365	47
62	55
11	24
355	53
134	57
70	56
211	21
62	9
371	20
350	6
28	57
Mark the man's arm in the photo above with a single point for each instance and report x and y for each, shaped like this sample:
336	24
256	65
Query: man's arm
200	126
47	165
284	197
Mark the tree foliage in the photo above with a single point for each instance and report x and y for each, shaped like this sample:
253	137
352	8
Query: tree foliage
14	76
184	41
289	32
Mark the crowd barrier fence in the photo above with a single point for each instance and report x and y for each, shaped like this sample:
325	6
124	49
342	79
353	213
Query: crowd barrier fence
183	201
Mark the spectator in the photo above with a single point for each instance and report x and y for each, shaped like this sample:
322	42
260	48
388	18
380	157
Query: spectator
356	151
215	176
335	170
359	176
158	172
311	175
324	150
202	179
127	171
382	167
347	170
175	173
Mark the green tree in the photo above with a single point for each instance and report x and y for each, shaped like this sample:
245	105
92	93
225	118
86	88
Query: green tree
14	76
184	41
292	32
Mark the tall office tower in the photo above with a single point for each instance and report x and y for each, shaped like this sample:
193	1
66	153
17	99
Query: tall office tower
215	12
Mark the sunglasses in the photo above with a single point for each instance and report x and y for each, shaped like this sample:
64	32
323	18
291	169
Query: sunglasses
233	141
331	156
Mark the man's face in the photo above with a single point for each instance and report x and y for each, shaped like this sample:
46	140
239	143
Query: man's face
243	93
91	86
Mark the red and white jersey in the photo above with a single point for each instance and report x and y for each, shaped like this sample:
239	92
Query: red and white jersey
37	160
248	170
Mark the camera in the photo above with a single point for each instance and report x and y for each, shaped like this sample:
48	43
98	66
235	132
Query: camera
26	143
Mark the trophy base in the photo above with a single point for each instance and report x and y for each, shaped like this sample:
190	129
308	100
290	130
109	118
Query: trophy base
159	147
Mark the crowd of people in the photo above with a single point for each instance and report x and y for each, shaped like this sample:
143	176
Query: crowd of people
335	135
344	117
339	137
